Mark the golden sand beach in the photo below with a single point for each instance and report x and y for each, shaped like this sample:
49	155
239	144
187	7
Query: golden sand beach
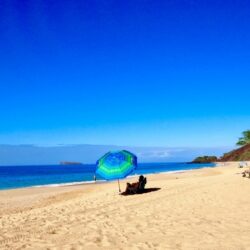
200	209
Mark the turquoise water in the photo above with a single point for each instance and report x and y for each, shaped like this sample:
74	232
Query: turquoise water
27	176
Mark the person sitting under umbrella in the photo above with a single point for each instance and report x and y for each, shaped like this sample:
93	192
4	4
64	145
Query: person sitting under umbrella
137	187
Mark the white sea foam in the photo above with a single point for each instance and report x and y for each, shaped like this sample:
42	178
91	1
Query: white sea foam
179	171
68	184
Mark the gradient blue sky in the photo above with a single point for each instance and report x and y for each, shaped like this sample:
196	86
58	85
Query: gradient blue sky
149	73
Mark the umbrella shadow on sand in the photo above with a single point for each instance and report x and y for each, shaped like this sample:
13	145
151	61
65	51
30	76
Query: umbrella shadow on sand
146	190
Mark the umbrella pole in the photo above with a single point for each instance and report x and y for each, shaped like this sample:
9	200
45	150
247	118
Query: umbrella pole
119	186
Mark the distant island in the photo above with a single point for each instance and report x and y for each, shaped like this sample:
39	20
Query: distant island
70	163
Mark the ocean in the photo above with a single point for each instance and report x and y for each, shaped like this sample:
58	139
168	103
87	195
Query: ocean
55	175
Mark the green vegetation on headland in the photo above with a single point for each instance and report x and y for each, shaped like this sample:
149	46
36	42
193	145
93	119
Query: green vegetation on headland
240	154
205	159
245	140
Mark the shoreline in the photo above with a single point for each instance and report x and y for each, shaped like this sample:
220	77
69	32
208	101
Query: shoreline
89	182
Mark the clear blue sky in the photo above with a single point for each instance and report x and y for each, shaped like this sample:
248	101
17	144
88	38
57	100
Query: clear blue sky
153	73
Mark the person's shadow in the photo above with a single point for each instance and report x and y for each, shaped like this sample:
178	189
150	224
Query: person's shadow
146	190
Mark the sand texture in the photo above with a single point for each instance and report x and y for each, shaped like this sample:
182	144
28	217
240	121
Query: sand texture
200	209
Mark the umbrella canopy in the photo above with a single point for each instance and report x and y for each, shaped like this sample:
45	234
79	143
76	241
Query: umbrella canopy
116	165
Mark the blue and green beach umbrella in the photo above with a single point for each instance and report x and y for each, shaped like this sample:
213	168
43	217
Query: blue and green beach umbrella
116	165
